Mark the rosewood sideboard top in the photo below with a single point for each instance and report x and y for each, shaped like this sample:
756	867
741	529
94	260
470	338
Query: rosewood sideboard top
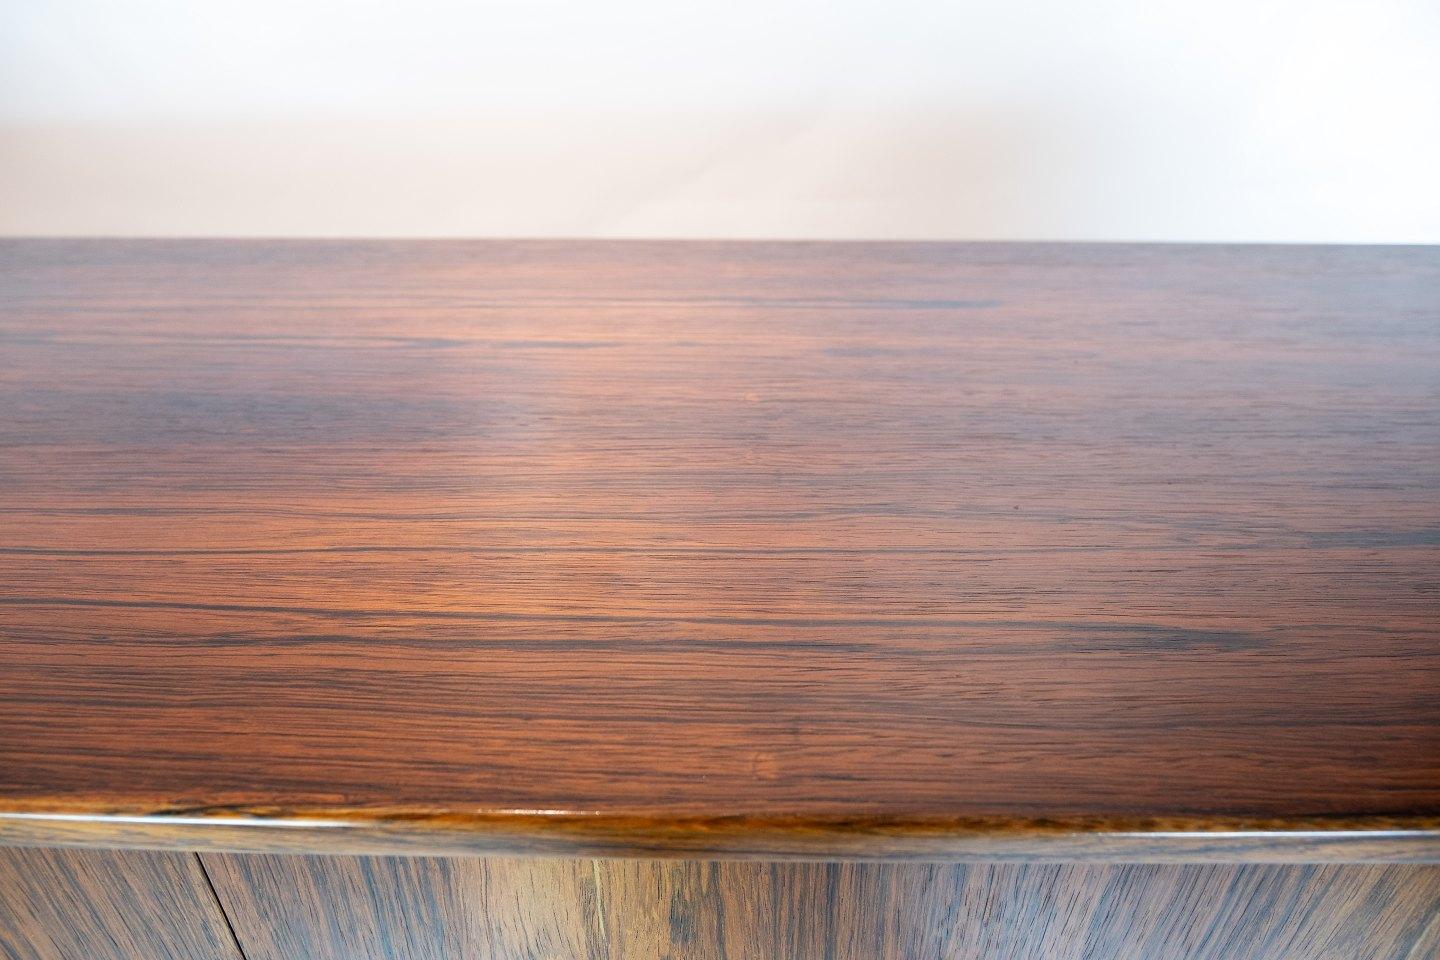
757	549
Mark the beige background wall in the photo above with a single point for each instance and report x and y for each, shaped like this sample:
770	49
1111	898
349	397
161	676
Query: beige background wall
1109	119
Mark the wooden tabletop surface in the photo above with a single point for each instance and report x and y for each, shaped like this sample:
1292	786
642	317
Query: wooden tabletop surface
869	549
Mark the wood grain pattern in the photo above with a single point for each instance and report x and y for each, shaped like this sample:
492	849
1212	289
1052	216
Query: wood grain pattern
409	908
108	905
693	541
431	909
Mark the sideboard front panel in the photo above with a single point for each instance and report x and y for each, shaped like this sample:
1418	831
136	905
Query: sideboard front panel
390	908
60	904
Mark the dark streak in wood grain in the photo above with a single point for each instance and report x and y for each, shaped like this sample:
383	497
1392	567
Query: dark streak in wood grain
853	549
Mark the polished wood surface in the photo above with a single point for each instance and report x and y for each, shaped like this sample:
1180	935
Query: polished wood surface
109	905
141	905
411	908
772	549
383	908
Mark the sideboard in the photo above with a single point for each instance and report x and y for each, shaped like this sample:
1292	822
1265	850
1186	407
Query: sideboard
459	600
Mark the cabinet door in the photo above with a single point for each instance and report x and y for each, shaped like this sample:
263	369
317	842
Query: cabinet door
58	904
404	908
394	908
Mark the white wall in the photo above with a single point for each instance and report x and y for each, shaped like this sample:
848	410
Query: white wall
1104	119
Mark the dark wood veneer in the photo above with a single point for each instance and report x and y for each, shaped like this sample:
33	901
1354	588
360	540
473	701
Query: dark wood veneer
416	908
109	905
